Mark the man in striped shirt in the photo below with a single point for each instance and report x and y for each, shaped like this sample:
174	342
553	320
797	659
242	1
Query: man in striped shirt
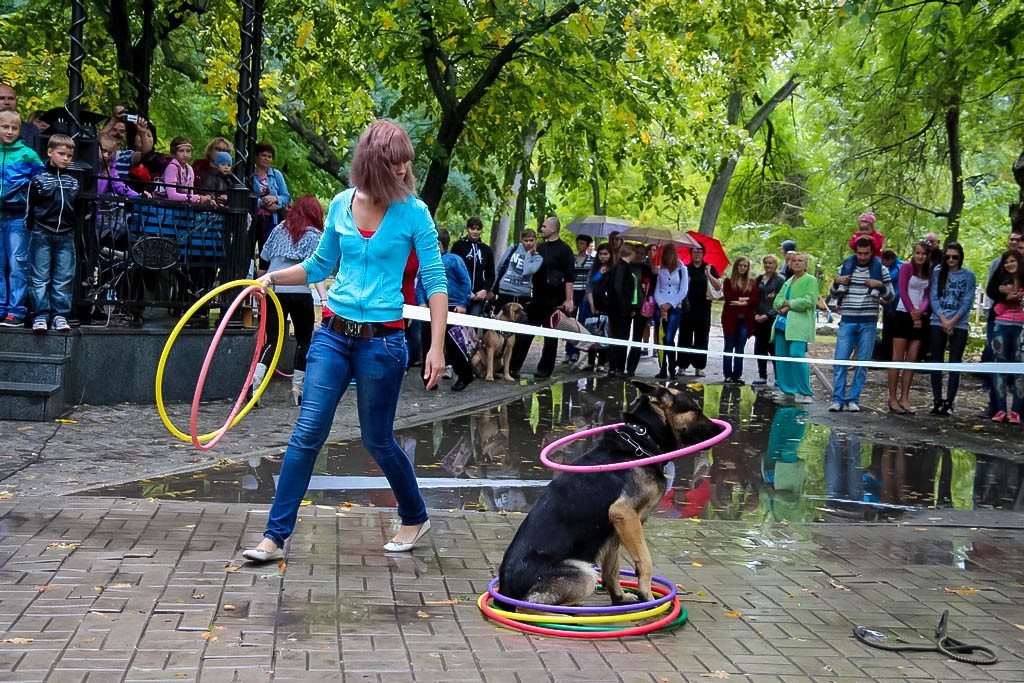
867	287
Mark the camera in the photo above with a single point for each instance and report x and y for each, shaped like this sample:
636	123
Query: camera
130	118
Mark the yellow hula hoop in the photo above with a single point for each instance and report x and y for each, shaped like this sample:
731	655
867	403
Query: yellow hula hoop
174	335
572	619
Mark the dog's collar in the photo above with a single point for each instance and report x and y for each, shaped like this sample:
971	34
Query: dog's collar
639	434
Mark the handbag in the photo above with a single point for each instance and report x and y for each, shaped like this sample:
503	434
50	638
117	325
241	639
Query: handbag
715	294
648	309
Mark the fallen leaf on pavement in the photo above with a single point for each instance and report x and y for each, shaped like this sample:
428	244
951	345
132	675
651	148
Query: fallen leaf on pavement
229	608
835	584
231	568
421	614
717	674
962	591
62	546
454	601
734	613
17	641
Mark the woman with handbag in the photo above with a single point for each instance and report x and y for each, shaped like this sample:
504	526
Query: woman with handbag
740	295
670	297
272	190
794	329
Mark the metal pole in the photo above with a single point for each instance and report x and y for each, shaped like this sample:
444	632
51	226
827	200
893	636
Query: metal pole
73	105
257	74
243	152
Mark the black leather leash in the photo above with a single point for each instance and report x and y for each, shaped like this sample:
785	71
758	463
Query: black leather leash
952	648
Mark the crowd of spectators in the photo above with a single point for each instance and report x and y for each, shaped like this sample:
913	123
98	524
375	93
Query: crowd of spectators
627	291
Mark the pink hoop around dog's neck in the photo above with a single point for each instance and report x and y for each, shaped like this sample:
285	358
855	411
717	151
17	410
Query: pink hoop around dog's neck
650	460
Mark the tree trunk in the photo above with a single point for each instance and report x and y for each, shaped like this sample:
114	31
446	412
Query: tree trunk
595	175
443	78
956	202
512	218
727	165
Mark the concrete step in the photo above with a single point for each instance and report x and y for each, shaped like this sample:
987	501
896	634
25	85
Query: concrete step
19	366
19	340
31	401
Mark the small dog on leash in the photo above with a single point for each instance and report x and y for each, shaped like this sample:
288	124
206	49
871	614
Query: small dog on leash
582	518
495	351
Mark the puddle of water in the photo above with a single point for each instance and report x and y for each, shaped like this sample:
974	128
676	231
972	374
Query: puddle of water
777	464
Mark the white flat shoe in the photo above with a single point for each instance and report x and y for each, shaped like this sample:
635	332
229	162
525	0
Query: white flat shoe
395	547
259	555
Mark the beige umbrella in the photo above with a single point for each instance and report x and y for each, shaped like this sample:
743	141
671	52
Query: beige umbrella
658	235
598	226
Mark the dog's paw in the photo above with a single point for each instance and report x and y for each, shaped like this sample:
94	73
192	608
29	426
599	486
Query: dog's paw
625	599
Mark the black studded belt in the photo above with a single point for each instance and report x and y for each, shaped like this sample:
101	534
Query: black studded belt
350	328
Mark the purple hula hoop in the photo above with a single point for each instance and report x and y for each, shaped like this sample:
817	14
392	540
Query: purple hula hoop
726	431
611	609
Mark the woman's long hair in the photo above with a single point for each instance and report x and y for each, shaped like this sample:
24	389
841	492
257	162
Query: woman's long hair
740	283
1017	278
595	267
922	270
669	257
944	266
304	213
383	144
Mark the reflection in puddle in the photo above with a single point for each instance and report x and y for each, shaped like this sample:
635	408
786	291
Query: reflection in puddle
777	465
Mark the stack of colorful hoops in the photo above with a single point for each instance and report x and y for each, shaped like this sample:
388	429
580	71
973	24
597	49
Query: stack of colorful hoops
613	621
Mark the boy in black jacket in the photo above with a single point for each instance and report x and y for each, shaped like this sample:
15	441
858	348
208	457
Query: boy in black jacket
50	222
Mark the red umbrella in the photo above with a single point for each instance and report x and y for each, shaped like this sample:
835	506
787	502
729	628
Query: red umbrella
713	252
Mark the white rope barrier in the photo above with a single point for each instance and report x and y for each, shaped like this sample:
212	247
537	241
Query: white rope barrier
483	322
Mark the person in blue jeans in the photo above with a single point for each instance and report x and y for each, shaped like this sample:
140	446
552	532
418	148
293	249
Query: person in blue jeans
952	297
50	222
369	232
18	165
859	324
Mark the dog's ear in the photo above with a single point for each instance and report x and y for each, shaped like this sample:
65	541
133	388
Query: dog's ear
644	387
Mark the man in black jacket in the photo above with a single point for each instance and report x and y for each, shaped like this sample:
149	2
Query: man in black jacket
552	289
479	260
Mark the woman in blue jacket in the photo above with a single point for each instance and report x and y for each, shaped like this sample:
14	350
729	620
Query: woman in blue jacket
269	185
369	232
952	296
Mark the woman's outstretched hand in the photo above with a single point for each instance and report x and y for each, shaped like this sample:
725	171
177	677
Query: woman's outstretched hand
433	367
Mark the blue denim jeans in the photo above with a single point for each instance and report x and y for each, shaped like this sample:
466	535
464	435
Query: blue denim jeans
859	336
671	327
735	343
378	364
52	273
13	267
1005	346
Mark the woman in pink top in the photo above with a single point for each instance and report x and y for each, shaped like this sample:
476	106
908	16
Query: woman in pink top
910	325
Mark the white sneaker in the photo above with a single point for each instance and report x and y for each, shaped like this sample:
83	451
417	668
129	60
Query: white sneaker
60	323
804	399
448	372
853	407
835	407
40	325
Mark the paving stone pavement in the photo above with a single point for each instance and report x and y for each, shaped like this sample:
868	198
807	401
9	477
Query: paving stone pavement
103	589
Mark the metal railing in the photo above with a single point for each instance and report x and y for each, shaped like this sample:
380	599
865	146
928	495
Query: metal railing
138	253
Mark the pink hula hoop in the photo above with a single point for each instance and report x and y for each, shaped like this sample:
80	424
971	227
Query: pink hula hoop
650	460
261	336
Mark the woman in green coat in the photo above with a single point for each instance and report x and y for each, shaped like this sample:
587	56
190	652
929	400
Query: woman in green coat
794	329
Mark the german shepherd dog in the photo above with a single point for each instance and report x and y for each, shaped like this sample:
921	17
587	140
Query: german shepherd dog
495	351
581	519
